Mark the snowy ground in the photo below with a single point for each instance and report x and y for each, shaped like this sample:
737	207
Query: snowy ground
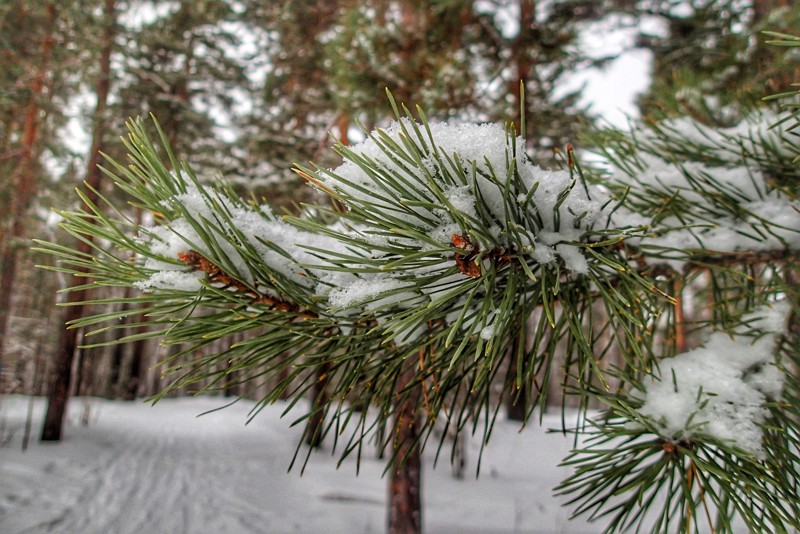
151	470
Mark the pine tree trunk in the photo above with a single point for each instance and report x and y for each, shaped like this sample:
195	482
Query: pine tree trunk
117	354
320	399
135	380
762	8
524	63
519	398
23	180
405	502
62	372
78	368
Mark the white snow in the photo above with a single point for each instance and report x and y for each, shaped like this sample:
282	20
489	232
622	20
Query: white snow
366	290
142	469
753	215
471	187
720	389
255	225
173	280
487	332
565	210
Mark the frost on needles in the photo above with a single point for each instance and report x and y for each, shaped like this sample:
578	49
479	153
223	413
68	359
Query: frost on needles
721	389
704	191
429	208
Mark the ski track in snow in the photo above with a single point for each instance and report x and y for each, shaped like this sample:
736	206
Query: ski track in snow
157	485
142	470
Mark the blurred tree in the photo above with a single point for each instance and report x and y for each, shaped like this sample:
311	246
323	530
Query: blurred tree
26	72
711	63
68	340
183	68
327	64
464	60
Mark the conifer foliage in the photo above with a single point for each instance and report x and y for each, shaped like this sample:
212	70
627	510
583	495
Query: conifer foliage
413	293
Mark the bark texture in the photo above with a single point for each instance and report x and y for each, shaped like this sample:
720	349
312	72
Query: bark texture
68	340
23	180
405	502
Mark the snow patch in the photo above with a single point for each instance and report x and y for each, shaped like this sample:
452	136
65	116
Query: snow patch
721	388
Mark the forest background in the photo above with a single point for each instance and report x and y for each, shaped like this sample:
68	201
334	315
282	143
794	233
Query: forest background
245	89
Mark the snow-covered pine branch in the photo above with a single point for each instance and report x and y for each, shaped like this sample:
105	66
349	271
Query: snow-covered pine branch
414	298
706	194
713	431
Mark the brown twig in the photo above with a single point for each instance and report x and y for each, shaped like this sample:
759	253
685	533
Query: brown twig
215	274
749	257
466	262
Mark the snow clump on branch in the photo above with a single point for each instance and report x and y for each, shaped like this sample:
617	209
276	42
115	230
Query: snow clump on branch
448	203
721	388
703	190
473	181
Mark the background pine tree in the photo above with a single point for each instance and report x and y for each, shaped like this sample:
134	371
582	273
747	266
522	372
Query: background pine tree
313	69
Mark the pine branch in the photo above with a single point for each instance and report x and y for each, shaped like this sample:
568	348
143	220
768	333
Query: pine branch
216	275
415	295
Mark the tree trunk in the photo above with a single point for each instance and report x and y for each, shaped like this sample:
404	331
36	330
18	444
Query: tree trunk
320	400
117	355
524	63
137	370
23	181
79	370
405	502
519	398
762	8
61	378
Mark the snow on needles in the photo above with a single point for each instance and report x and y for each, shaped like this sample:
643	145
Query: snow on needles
442	187
425	195
467	172
279	246
724	203
439	204
721	388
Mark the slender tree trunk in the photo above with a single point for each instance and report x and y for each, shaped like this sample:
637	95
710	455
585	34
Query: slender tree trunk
23	180
78	370
320	399
517	401
523	60
680	320
762	8
62	372
343	122
521	395
405	485
135	379
37	363
117	354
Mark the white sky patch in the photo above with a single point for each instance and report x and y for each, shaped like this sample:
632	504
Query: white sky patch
141	13
505	13
75	135
720	388
610	91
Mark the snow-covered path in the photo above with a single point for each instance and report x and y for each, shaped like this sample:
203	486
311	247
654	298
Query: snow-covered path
161	482
137	469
